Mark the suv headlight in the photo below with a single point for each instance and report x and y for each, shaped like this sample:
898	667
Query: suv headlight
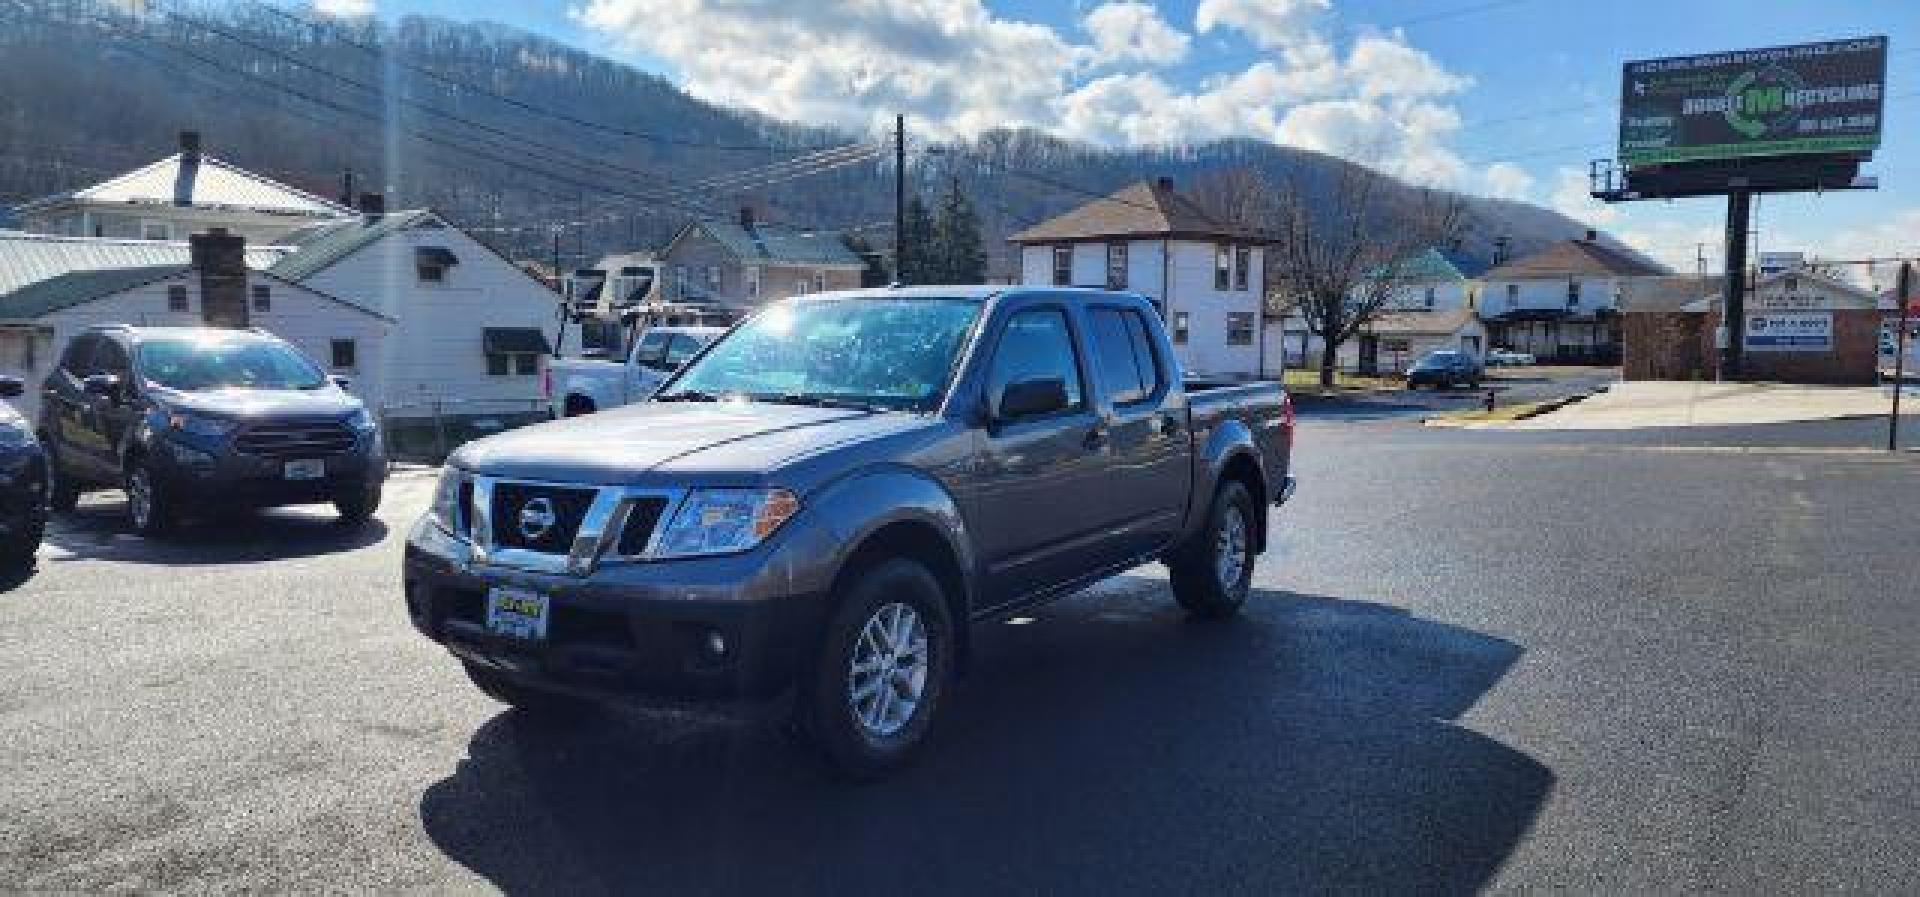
14	433
200	426
361	420
722	521
445	509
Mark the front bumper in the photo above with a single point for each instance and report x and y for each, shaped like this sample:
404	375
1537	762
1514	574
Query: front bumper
233	478
637	631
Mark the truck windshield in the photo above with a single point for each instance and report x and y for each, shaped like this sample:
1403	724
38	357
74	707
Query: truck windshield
891	354
189	364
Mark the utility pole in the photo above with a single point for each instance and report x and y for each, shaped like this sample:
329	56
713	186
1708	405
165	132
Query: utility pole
560	286
1902	296
1733	293
900	198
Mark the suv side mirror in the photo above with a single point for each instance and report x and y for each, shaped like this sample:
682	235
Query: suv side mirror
103	385
1032	398
11	387
341	380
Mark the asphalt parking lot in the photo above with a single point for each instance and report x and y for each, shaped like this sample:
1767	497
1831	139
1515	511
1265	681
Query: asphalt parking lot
1645	662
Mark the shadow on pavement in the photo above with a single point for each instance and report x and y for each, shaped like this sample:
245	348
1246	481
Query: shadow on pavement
1108	745
99	531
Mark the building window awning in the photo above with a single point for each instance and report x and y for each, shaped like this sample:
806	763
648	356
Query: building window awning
514	341
437	256
1533	314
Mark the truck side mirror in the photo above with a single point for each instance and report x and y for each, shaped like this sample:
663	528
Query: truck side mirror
11	387
1031	398
103	385
342	381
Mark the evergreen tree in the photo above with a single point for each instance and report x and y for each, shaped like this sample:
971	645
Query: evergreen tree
958	255
917	245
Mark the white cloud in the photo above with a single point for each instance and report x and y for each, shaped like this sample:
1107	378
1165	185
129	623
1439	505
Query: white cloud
1129	30
347	9
1571	197
1505	180
1271	24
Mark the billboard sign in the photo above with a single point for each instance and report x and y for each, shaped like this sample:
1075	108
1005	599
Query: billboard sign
1824	97
1790	332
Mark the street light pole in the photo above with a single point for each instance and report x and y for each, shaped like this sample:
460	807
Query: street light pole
899	198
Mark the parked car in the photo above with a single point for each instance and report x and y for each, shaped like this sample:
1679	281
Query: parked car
1509	358
825	500
193	418
585	385
1444	368
23	483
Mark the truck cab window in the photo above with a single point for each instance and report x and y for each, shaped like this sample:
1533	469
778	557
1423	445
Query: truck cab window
1036	345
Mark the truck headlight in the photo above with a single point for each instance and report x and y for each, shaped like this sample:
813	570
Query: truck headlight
722	521
200	426
445	508
14	433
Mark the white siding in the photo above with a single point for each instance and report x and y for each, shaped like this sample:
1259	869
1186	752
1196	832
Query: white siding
1548	293
434	353
298	315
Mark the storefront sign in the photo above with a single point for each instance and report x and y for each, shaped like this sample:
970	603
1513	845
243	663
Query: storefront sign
1790	332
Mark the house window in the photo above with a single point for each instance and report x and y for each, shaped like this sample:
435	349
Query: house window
1513	295
262	297
1573	293
800	288
514	350
430	263
713	277
1222	266
1062	266
1242	266
346	355
1116	266
1429	298
177	297
155	230
1180	328
753	282
1240	328
680	281
819	281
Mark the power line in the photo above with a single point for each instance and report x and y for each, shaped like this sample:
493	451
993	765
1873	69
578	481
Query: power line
521	104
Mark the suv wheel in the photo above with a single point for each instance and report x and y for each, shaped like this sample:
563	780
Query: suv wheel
63	491
1213	574
150	507
356	506
882	671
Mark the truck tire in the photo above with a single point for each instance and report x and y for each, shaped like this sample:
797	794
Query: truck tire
578	406
532	701
357	506
1213	574
884	664
150	505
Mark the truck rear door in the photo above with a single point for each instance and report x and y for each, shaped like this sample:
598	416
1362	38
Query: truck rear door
1149	451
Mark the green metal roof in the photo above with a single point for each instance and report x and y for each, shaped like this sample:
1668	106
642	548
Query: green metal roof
774	243
77	287
321	247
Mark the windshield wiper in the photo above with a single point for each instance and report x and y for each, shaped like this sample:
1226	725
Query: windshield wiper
812	400
687	395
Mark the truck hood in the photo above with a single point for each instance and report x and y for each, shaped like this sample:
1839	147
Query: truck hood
254	404
635	444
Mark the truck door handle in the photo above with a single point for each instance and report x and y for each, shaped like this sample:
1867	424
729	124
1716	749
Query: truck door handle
1097	437
1167	424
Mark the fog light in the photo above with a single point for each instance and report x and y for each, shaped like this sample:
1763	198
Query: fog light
716	643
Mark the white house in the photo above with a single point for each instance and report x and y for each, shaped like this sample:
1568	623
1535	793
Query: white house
472	328
1205	275
1563	302
1432	306
37	320
185	193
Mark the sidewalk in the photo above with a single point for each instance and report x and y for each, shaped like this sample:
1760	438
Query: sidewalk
1633	405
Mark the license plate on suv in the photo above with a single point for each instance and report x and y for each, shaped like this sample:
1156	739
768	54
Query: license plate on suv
306	469
519	613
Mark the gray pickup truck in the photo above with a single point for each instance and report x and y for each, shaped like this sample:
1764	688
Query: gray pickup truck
819	504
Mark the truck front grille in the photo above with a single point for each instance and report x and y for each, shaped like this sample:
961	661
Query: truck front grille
288	440
537	517
641	521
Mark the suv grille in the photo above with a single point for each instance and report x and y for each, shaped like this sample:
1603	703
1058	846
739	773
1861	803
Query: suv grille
286	440
520	516
640	525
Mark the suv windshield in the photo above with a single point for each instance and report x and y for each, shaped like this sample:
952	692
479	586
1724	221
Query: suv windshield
883	353
192	364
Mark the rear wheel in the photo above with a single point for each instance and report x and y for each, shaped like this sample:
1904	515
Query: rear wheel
150	505
579	405
1213	574
882	671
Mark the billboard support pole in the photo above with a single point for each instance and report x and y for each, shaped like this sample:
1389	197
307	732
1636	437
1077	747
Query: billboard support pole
1733	293
1900	357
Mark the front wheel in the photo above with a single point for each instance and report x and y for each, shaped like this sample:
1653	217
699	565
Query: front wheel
1213	574
356	506
63	491
150	509
882	670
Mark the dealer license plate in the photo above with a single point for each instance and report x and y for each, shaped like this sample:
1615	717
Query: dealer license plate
520	613
306	469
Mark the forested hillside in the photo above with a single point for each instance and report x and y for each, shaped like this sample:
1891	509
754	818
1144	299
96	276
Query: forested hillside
510	133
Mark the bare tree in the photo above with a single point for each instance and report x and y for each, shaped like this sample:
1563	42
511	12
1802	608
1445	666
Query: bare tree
1339	253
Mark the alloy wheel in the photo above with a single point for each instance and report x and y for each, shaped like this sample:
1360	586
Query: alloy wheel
887	676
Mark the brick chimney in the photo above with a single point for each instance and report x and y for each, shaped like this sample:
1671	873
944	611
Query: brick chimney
746	217
1593	236
220	258
190	145
373	205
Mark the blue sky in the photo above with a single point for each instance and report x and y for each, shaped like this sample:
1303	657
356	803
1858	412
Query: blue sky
1509	97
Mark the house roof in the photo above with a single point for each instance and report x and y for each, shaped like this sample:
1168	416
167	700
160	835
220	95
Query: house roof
773	243
1423	322
1145	209
1574	257
30	258
1431	264
78	287
1831	284
319	248
199	182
